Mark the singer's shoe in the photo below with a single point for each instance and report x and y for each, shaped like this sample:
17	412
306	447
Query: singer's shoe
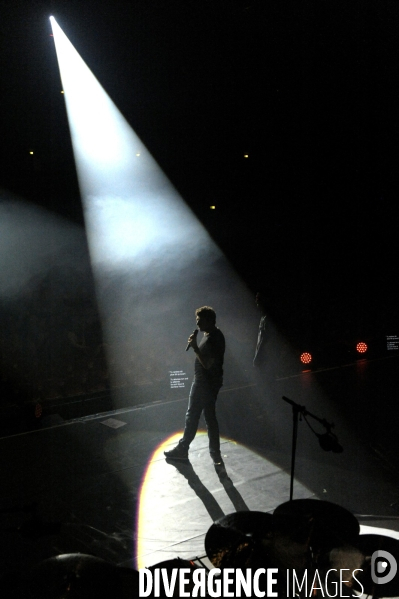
177	453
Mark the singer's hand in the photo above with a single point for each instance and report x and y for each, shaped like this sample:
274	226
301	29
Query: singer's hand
192	340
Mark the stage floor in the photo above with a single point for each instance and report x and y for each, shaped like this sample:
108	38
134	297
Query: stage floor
100	484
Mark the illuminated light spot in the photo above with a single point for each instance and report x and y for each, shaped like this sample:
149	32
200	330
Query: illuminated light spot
246	155
62	91
306	358
144	512
30	153
138	154
361	347
170	504
212	207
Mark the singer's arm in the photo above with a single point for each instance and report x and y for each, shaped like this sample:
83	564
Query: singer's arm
206	360
210	353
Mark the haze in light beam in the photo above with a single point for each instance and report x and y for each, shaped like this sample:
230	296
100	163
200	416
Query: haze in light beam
153	262
131	209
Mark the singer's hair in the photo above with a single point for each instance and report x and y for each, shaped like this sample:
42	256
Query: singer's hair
208	312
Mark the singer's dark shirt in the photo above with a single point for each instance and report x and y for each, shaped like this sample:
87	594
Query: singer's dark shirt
212	347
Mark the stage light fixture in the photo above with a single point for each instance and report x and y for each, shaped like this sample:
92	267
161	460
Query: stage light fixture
361	347
306	358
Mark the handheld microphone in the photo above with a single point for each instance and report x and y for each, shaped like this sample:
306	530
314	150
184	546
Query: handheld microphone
188	344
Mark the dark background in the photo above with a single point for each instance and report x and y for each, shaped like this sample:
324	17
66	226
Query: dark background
308	89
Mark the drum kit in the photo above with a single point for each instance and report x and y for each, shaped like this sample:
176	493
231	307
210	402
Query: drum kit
317	540
315	547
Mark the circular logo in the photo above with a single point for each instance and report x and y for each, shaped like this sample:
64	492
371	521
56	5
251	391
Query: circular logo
383	567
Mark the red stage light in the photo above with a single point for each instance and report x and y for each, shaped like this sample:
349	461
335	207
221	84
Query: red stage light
361	347
306	358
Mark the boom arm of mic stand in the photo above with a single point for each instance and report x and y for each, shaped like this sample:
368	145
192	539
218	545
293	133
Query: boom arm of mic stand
302	410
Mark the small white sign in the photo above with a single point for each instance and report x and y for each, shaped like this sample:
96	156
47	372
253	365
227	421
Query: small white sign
178	378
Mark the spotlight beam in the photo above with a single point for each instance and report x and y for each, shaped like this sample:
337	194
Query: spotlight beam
152	259
131	208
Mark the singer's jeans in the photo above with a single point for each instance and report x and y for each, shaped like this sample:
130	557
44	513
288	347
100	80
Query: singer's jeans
202	398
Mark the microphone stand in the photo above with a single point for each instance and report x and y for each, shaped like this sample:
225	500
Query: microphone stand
296	410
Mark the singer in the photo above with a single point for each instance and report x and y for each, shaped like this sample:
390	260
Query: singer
208	378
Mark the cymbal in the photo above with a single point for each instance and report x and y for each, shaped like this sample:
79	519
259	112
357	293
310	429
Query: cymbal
253	524
368	545
81	576
239	540
320	525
